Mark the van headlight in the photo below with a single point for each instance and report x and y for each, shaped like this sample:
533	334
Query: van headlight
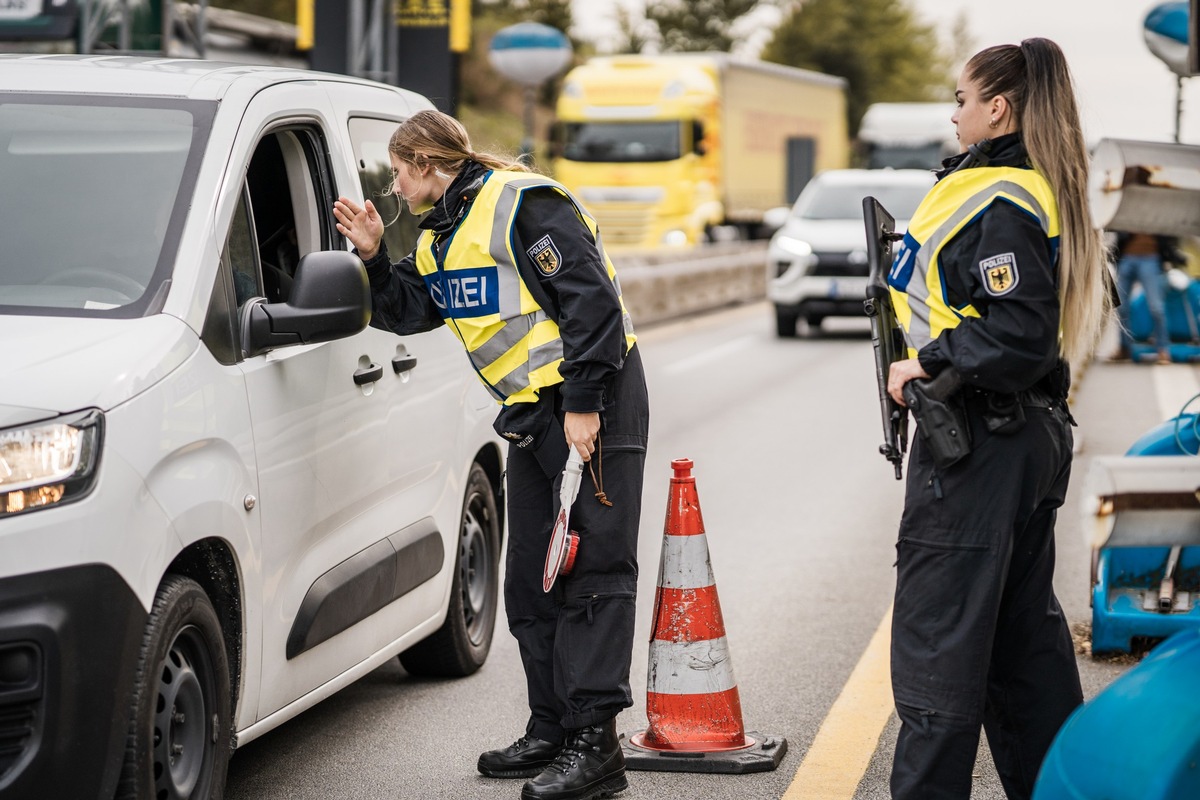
49	463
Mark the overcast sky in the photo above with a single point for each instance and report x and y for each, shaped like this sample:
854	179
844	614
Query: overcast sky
1124	90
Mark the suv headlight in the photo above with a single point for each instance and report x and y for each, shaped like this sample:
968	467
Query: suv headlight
49	463
795	247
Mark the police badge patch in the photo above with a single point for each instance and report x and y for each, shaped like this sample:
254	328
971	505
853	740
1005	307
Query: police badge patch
545	254
1000	274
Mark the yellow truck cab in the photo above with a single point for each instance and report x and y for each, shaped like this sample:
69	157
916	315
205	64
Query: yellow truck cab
665	149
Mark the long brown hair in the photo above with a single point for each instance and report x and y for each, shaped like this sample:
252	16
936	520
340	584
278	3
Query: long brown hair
439	140
1035	80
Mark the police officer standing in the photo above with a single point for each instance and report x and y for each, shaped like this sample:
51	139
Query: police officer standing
514	266
999	277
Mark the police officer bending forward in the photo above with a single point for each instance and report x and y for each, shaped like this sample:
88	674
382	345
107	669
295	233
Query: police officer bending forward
1000	277
513	265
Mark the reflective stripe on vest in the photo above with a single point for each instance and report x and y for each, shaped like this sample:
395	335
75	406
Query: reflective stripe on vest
512	342
917	286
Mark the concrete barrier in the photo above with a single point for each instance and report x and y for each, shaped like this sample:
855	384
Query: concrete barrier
662	285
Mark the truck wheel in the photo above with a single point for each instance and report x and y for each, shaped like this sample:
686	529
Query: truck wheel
177	747
461	645
785	323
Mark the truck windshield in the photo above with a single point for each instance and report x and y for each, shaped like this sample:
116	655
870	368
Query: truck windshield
92	201
622	141
914	156
825	201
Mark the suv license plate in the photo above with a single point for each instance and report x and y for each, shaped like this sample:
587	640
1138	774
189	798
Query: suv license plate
841	288
20	9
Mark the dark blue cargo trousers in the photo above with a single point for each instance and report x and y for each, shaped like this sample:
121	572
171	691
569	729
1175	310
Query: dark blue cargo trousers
576	642
978	636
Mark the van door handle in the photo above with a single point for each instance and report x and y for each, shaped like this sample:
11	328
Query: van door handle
368	374
401	364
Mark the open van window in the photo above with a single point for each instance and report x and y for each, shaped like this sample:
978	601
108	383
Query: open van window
93	199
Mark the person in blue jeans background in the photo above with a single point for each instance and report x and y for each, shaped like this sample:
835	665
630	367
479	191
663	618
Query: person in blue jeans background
1142	259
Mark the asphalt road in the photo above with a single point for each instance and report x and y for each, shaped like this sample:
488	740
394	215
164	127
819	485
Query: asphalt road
800	513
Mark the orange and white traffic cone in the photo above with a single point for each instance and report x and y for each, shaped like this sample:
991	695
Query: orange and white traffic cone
692	701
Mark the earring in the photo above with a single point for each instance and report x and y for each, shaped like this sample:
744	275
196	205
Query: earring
992	123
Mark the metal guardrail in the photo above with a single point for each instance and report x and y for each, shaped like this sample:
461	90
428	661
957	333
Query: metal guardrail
664	284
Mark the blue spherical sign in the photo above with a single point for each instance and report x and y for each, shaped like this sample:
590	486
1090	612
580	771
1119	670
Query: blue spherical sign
529	52
1166	33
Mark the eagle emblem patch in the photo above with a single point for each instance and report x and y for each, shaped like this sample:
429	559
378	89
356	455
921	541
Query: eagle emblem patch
545	254
1000	274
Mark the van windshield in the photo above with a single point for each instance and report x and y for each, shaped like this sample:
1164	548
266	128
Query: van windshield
93	194
622	141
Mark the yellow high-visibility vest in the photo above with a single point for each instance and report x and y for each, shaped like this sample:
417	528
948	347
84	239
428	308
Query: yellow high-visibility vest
474	280
915	280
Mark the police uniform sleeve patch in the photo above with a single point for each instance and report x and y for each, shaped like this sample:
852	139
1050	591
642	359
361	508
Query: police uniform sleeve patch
1000	274
546	255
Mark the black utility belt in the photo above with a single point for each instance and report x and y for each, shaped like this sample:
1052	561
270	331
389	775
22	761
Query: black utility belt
1028	398
942	405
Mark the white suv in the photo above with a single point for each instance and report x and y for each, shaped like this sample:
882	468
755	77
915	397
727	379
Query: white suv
223	497
817	261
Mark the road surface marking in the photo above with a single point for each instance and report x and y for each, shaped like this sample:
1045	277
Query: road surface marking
704	356
840	754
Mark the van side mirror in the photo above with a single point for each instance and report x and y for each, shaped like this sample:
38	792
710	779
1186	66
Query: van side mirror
698	145
330	299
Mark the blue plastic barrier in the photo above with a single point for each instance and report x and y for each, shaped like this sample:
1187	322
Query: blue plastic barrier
1183	312
1125	575
1139	739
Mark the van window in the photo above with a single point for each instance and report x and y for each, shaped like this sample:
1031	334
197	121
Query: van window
283	213
93	198
237	282
369	138
290	206
240	256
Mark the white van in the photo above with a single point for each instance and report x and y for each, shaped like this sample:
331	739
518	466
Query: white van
223	497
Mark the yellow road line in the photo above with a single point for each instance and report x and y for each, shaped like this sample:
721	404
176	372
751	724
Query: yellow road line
839	756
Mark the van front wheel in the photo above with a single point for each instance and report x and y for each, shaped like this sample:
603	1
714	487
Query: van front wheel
178	745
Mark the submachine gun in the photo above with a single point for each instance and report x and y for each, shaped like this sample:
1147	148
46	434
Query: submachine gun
886	336
934	403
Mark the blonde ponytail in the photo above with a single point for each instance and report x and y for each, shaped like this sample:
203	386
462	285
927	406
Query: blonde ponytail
1037	83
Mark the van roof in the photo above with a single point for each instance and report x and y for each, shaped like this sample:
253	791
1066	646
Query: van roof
132	75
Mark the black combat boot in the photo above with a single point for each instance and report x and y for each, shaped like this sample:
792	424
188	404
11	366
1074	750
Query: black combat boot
591	765
524	758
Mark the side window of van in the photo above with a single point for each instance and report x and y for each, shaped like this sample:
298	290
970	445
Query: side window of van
240	256
369	138
291	201
283	213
